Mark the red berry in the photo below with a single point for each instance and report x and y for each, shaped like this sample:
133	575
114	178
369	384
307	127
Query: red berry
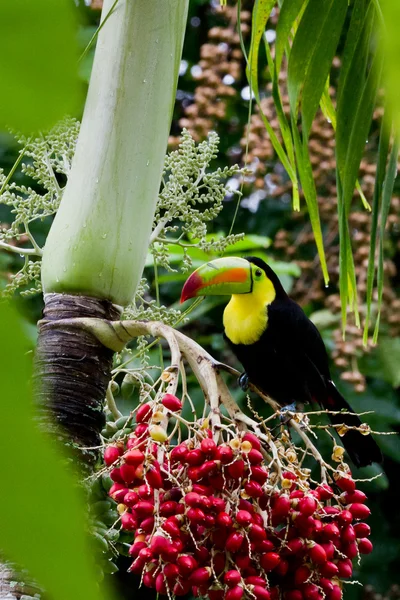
257	533
365	546
329	569
295	546
193	499
181	587
195	515
253	489
307	506
145	492
329	549
281	506
224	454
254	457
326	584
356	496
301	574
148	579
134	457
111	454
259	474
244	518
159	544
348	534
217	504
161	587
116	476
208	446
143	413
224	520
311	592
260	592
324	491
232	578
200	576
317	554
117	492
253	439
234	542
282	568
361	529
345	516
235	593
171	527
264	546
203	490
350	550
336	593
346	484
236	469
154	478
168	509
359	511
255	580
195	457
128	522
179	453
269	561
171	402
136	548
186	564
137	566
147	525
330	531
144	508
289	475
171	571
210	467
345	568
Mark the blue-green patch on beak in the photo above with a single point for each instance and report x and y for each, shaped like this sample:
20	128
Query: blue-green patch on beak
219	277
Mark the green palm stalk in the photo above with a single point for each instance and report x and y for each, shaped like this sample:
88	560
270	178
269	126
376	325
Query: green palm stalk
95	252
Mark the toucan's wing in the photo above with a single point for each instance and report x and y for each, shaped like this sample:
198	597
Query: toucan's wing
297	340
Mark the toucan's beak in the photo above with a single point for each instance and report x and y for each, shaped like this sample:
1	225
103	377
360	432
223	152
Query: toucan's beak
222	276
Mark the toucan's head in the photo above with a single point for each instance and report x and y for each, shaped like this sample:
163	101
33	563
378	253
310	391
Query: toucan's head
231	275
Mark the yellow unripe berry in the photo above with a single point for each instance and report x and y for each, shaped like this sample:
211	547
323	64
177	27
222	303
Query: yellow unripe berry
158	433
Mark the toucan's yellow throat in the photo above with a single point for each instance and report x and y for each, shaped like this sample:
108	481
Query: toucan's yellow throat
246	315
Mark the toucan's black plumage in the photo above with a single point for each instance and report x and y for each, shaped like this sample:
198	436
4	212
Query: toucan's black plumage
289	363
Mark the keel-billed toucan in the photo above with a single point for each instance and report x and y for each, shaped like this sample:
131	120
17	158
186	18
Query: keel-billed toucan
279	347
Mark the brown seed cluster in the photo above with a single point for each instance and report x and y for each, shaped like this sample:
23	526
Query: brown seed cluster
220	66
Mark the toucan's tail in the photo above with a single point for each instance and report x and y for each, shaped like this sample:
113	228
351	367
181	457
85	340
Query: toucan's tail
362	449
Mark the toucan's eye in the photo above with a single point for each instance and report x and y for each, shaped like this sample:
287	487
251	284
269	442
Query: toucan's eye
258	272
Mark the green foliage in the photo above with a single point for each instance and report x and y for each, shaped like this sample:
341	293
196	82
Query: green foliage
309	60
42	524
191	196
50	157
38	69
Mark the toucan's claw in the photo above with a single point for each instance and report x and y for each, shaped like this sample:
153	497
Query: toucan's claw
243	381
285	411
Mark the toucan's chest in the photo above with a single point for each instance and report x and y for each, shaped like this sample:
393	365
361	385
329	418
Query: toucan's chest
246	316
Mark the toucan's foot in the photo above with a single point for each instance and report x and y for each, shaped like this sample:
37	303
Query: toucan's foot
243	381
289	408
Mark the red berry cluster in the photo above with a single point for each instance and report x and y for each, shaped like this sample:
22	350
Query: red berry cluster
214	520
